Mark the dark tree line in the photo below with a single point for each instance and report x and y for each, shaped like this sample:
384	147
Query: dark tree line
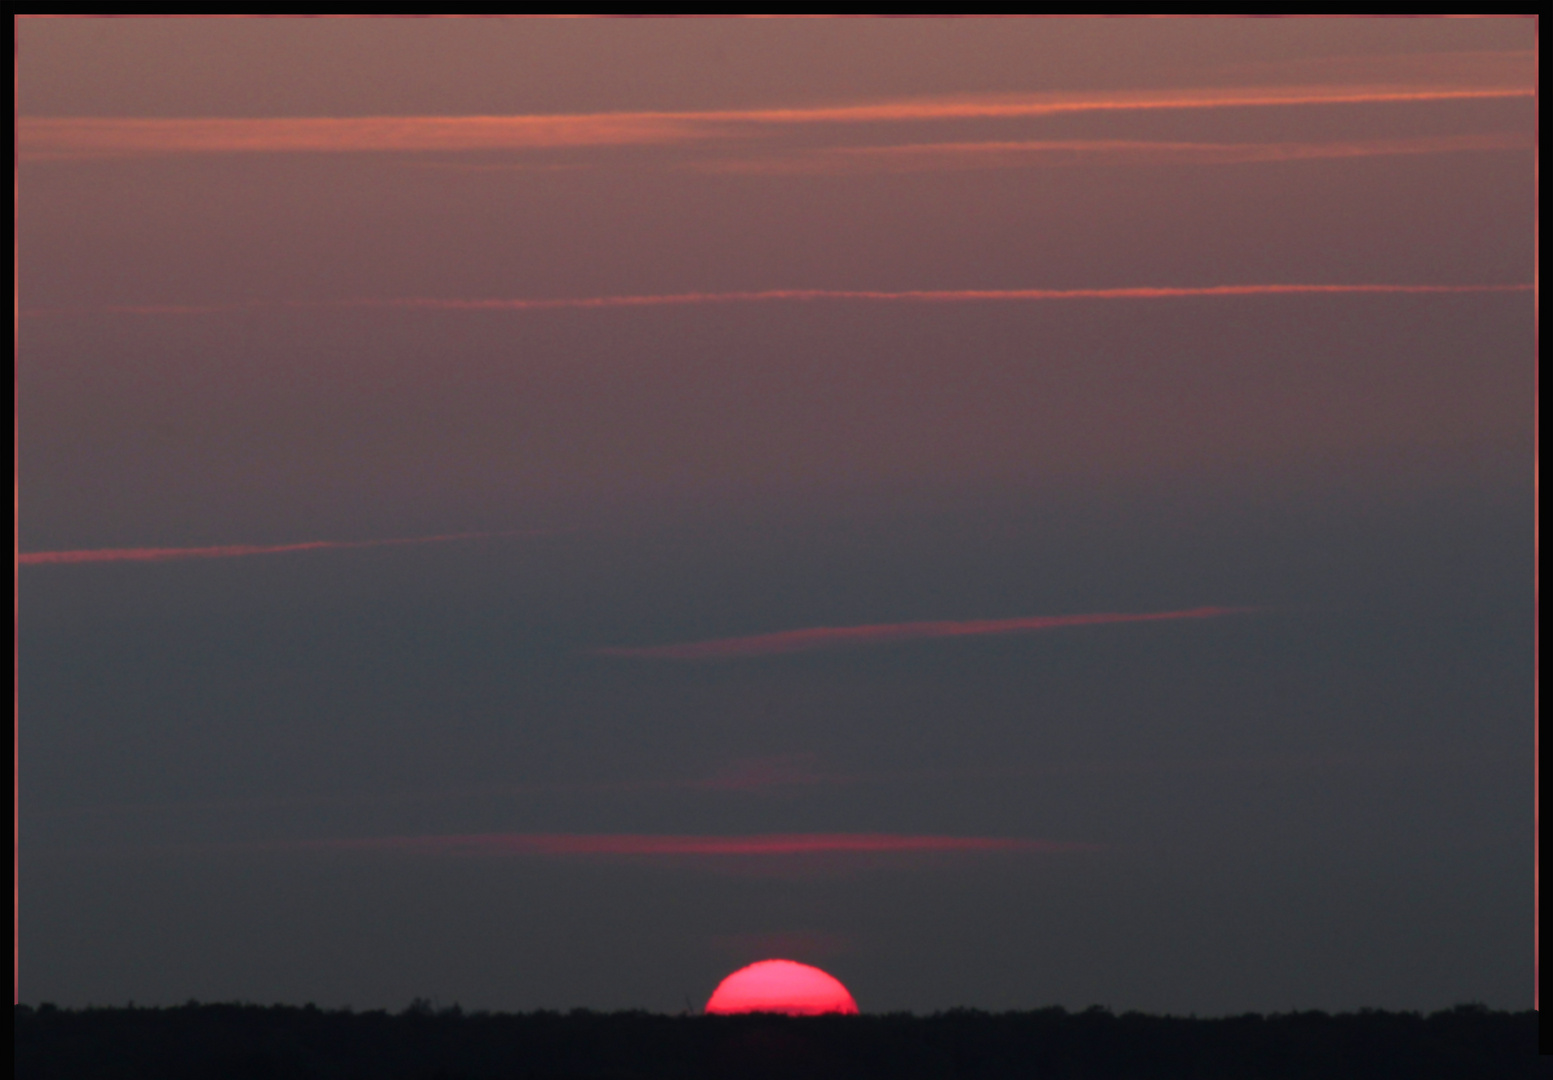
250	1042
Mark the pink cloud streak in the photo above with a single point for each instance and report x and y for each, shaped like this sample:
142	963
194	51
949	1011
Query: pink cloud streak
914	295
922	296
636	844
227	551
829	637
918	157
79	138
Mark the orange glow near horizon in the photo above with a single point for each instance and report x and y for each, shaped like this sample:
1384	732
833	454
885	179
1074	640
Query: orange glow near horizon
781	986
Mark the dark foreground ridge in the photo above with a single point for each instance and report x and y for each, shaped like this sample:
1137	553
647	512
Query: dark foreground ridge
250	1042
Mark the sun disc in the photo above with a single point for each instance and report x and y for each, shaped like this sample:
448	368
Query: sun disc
781	986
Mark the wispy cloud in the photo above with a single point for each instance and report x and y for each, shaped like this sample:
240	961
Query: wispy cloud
680	846
1005	154
924	296
57	138
830	637
76	138
913	296
229	551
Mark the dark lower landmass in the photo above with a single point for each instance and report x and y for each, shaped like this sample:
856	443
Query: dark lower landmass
249	1042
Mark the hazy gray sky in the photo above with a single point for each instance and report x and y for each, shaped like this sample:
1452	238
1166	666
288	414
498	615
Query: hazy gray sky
542	512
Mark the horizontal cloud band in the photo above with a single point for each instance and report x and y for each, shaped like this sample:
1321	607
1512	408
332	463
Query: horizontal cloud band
829	637
227	551
921	296
919	157
634	844
73	138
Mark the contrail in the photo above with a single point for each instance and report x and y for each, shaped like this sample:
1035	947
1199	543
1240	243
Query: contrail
229	551
829	637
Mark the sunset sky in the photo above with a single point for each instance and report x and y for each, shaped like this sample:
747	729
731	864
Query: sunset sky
542	513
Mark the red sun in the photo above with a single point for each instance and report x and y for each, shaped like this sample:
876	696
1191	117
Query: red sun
781	986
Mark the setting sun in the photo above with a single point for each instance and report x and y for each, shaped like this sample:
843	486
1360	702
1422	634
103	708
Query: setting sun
781	986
